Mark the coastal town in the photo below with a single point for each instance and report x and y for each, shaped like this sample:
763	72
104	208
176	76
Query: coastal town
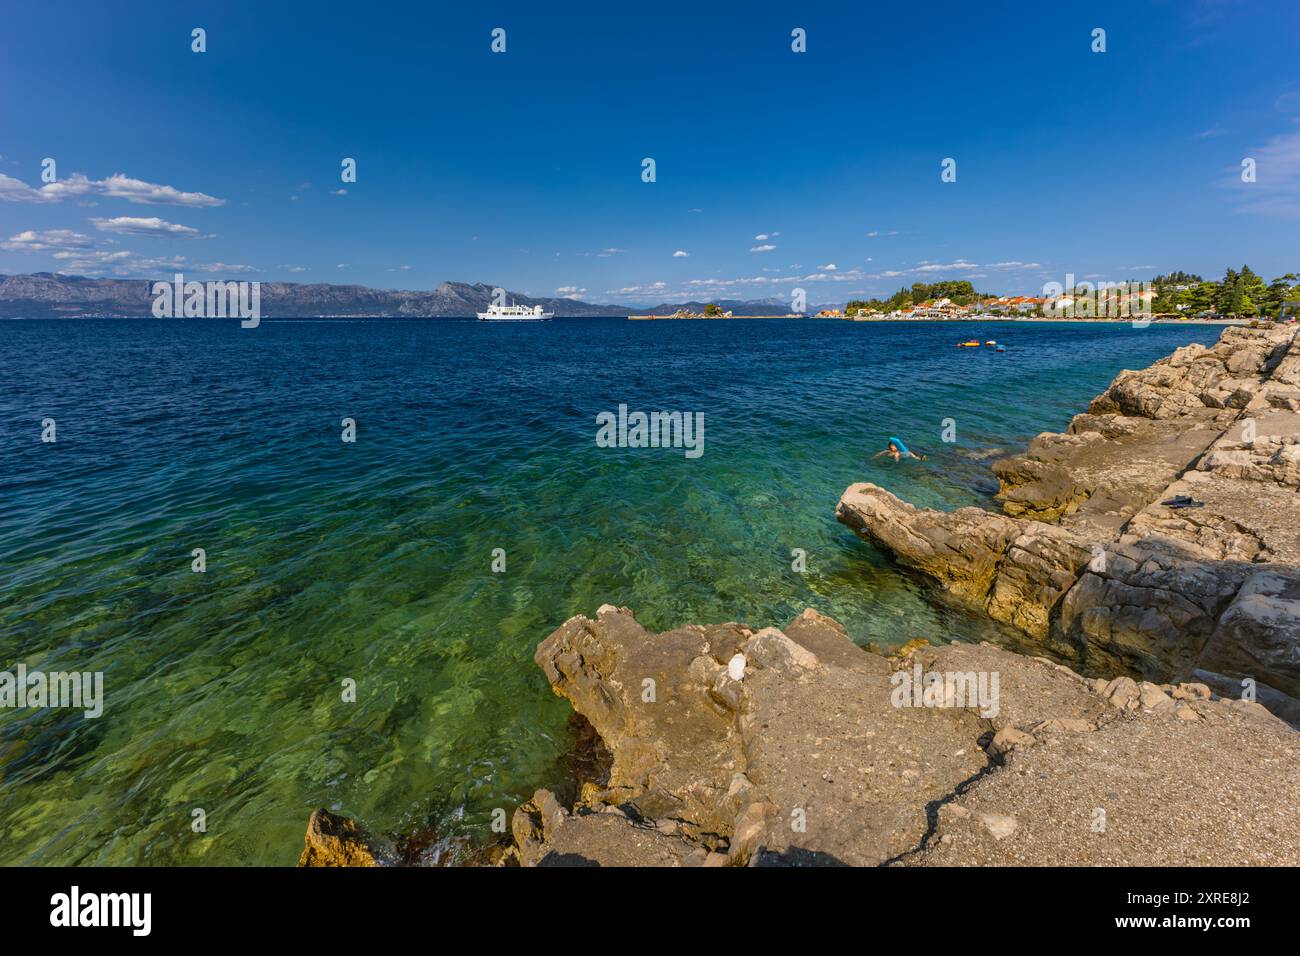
1176	296
945	308
1240	294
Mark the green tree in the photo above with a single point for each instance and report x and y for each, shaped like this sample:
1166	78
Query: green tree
1167	299
1253	292
1228	299
1202	297
1281	290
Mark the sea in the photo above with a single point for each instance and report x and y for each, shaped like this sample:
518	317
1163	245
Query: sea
285	619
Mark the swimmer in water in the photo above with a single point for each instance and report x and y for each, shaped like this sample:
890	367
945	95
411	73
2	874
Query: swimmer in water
898	451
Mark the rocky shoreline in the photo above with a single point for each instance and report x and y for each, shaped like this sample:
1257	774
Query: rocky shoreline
1159	536
720	745
808	758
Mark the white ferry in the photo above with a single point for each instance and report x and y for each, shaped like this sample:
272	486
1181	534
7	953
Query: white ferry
514	313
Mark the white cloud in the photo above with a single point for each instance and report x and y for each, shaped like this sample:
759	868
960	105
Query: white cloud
781	282
1276	190
76	254
680	254
14	190
876	232
767	247
117	186
1288	102
652	288
49	240
150	226
338	192
604	253
121	186
945	266
222	267
569	290
121	262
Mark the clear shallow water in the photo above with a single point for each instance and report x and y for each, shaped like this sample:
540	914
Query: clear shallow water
372	561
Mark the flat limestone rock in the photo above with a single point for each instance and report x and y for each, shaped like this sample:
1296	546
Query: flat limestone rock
841	764
1145	791
1097	485
547	835
1146	429
643	699
795	747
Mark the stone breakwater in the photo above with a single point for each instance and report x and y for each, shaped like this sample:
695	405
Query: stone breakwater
1159	536
804	757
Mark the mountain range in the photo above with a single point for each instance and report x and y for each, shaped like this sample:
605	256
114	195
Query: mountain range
52	295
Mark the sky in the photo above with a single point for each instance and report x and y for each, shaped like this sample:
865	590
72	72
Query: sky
774	169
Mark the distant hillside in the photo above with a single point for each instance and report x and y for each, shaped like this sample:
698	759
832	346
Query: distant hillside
47	295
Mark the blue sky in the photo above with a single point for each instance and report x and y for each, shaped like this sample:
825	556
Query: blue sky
523	169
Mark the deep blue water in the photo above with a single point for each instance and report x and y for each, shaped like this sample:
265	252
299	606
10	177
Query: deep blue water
372	561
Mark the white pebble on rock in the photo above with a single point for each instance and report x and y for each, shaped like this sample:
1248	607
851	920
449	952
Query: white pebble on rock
736	667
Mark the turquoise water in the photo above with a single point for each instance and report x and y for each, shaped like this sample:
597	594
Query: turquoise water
372	561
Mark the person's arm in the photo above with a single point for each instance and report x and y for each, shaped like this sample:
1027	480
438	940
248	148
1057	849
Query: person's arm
879	453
